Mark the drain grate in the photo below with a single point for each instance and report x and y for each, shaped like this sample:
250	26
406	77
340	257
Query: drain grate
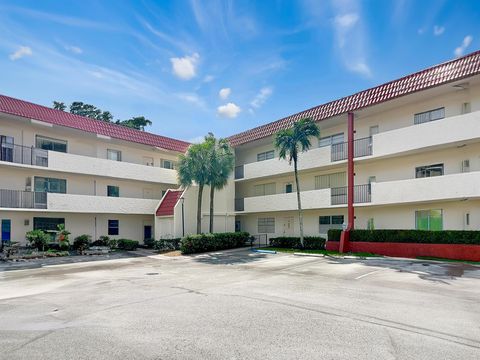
152	273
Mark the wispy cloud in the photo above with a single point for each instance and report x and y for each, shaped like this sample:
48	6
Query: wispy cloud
261	97
208	78
438	30
467	40
229	110
224	93
350	37
21	52
185	67
192	98
74	49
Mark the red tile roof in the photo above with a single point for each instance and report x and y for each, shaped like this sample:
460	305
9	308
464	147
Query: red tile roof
33	111
168	203
450	71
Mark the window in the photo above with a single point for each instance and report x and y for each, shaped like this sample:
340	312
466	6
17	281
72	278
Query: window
113	227
331	180
330	140
113	191
115	155
330	222
429	171
267	155
46	143
466	108
288	188
264	189
147	161
373	130
168	164
266	225
6	147
48	225
429	219
430	115
163	193
51	185
6	230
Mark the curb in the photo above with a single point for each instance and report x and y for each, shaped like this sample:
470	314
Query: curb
264	251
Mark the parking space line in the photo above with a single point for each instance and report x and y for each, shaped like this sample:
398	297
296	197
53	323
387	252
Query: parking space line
367	274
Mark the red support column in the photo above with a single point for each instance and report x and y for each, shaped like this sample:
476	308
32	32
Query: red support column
345	237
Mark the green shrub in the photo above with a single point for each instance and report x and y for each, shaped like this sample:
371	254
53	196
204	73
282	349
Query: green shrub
167	244
149	243
127	244
418	236
81	243
210	242
63	237
37	239
292	242
334	234
102	241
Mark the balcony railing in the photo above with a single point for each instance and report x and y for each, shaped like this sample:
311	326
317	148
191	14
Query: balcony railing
361	194
23	199
23	155
239	204
361	147
239	172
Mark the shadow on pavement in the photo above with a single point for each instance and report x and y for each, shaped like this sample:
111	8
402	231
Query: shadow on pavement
228	257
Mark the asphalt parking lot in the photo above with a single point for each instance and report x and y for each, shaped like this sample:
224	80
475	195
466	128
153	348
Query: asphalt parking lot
241	305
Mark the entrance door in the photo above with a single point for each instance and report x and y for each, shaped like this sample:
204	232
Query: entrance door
288	226
6	230
147	232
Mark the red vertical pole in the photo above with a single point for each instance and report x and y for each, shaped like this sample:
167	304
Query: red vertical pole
350	185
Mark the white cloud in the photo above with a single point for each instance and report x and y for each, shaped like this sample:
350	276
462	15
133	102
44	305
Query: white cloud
20	53
197	140
224	93
360	67
467	40
74	49
208	78
438	30
261	97
186	67
346	20
229	110
192	98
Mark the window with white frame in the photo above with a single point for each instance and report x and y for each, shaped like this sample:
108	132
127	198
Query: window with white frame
266	225
46	143
264	189
429	219
330	140
168	164
266	155
430	115
333	180
429	171
327	222
115	155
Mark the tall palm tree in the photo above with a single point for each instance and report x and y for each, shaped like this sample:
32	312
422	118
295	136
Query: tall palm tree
290	142
222	162
194	167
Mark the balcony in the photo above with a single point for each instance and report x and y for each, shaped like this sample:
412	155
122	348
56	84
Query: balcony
361	194
24	155
446	187
455	130
313	199
100	204
361	147
17	199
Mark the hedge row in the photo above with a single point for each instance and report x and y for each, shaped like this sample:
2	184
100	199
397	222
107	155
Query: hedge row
210	242
167	244
411	236
291	242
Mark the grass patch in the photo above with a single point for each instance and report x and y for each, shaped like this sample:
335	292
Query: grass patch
324	252
448	260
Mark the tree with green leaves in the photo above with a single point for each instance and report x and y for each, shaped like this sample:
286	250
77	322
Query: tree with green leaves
58	105
221	162
194	168
291	142
137	122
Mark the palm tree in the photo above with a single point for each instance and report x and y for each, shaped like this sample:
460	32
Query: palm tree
290	142
222	162
194	167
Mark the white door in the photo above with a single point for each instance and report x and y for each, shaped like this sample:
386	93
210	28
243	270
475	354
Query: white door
288	226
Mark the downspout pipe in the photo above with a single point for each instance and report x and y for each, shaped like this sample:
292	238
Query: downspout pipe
345	237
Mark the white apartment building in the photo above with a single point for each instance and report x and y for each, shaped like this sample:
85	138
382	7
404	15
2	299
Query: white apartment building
416	158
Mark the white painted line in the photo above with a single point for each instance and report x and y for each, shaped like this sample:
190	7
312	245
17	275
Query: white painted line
370	273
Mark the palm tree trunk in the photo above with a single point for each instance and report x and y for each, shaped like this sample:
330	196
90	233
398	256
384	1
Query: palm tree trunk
212	195
300	212
199	209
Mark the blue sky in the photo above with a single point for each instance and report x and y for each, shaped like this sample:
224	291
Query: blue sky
222	66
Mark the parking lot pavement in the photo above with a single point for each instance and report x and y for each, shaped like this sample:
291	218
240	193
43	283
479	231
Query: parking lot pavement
241	305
